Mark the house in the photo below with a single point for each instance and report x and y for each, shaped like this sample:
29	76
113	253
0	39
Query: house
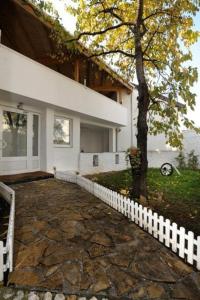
59	108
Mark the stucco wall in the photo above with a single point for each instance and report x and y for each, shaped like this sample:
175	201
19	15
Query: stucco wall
26	77
106	162
94	139
157	158
127	135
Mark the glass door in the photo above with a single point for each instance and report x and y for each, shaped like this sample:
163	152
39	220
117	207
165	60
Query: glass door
19	141
14	134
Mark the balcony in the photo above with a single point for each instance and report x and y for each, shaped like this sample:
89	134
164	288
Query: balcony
25	77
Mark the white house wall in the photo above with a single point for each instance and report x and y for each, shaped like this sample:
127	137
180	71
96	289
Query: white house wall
94	139
127	135
23	76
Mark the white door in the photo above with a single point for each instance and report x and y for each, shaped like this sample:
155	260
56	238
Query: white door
19	141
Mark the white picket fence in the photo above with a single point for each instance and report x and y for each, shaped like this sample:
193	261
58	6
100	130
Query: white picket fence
183	243
6	251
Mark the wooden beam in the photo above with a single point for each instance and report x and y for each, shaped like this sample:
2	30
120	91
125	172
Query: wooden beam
105	88
119	96
77	70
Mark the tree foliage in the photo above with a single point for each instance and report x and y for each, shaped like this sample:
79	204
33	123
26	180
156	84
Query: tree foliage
167	33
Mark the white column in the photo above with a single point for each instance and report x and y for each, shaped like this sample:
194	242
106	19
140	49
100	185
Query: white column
29	140
46	140
112	140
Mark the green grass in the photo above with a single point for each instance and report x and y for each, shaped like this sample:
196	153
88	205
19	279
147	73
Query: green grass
175	197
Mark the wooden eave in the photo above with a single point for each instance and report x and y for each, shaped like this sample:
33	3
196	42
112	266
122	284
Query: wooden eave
49	22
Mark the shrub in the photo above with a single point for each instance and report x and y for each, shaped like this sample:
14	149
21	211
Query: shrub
193	161
181	160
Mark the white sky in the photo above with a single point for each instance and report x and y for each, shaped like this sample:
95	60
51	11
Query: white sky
69	23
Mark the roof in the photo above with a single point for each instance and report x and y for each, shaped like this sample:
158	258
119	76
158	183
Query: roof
49	21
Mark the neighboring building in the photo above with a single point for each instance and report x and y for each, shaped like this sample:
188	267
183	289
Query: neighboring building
72	114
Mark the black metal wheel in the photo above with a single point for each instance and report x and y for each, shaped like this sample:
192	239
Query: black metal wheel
166	169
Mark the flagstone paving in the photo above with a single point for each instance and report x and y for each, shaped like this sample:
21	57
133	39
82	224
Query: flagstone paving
67	240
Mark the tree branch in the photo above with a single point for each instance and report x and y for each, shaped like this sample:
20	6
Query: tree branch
94	33
112	52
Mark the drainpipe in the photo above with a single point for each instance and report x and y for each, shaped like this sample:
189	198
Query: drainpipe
131	119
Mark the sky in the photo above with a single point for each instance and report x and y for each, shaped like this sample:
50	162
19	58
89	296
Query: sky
69	23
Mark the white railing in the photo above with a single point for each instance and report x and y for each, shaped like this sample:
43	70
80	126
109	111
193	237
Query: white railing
6	251
183	243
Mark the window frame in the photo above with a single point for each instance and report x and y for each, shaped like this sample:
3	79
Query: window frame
70	144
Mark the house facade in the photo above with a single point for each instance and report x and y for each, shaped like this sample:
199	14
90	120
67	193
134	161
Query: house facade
69	113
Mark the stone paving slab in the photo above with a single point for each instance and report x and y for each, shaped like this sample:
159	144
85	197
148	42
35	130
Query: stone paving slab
68	241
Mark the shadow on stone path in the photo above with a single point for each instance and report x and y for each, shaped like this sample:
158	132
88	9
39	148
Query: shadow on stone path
68	240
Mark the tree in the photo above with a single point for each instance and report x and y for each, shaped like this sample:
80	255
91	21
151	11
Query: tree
149	41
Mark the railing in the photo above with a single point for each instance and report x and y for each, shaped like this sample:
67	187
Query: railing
184	244
6	251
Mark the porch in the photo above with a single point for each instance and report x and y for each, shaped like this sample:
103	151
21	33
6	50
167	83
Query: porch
84	247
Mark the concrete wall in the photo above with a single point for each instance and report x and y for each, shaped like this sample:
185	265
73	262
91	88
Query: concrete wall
157	158
106	162
126	136
159	151
191	142
25	77
94	139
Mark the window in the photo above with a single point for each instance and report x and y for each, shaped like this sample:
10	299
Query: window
62	131
35	140
14	134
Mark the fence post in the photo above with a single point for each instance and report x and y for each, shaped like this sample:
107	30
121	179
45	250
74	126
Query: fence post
174	237
1	261
182	242
190	247
198	253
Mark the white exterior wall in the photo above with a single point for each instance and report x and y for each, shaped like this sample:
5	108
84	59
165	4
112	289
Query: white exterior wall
157	158
94	139
159	151
106	163
127	135
23	76
191	142
67	158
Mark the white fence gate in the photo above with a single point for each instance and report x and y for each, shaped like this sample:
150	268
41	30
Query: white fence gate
6	251
183	243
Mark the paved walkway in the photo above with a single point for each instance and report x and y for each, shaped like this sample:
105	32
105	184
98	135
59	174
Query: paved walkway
67	240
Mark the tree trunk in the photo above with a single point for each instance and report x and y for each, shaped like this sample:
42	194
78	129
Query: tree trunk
140	180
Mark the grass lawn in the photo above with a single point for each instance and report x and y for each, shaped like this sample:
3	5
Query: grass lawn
175	197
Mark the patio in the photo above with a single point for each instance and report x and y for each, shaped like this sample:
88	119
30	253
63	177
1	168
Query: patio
67	240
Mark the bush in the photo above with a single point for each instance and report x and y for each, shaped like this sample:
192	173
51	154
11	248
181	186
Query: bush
193	161
181	160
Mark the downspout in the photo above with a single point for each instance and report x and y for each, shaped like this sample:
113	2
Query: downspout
131	119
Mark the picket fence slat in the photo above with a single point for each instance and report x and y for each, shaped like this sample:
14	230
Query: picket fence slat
6	263
182	243
173	229
190	247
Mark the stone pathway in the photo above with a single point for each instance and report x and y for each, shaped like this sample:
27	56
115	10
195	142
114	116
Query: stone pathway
67	241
